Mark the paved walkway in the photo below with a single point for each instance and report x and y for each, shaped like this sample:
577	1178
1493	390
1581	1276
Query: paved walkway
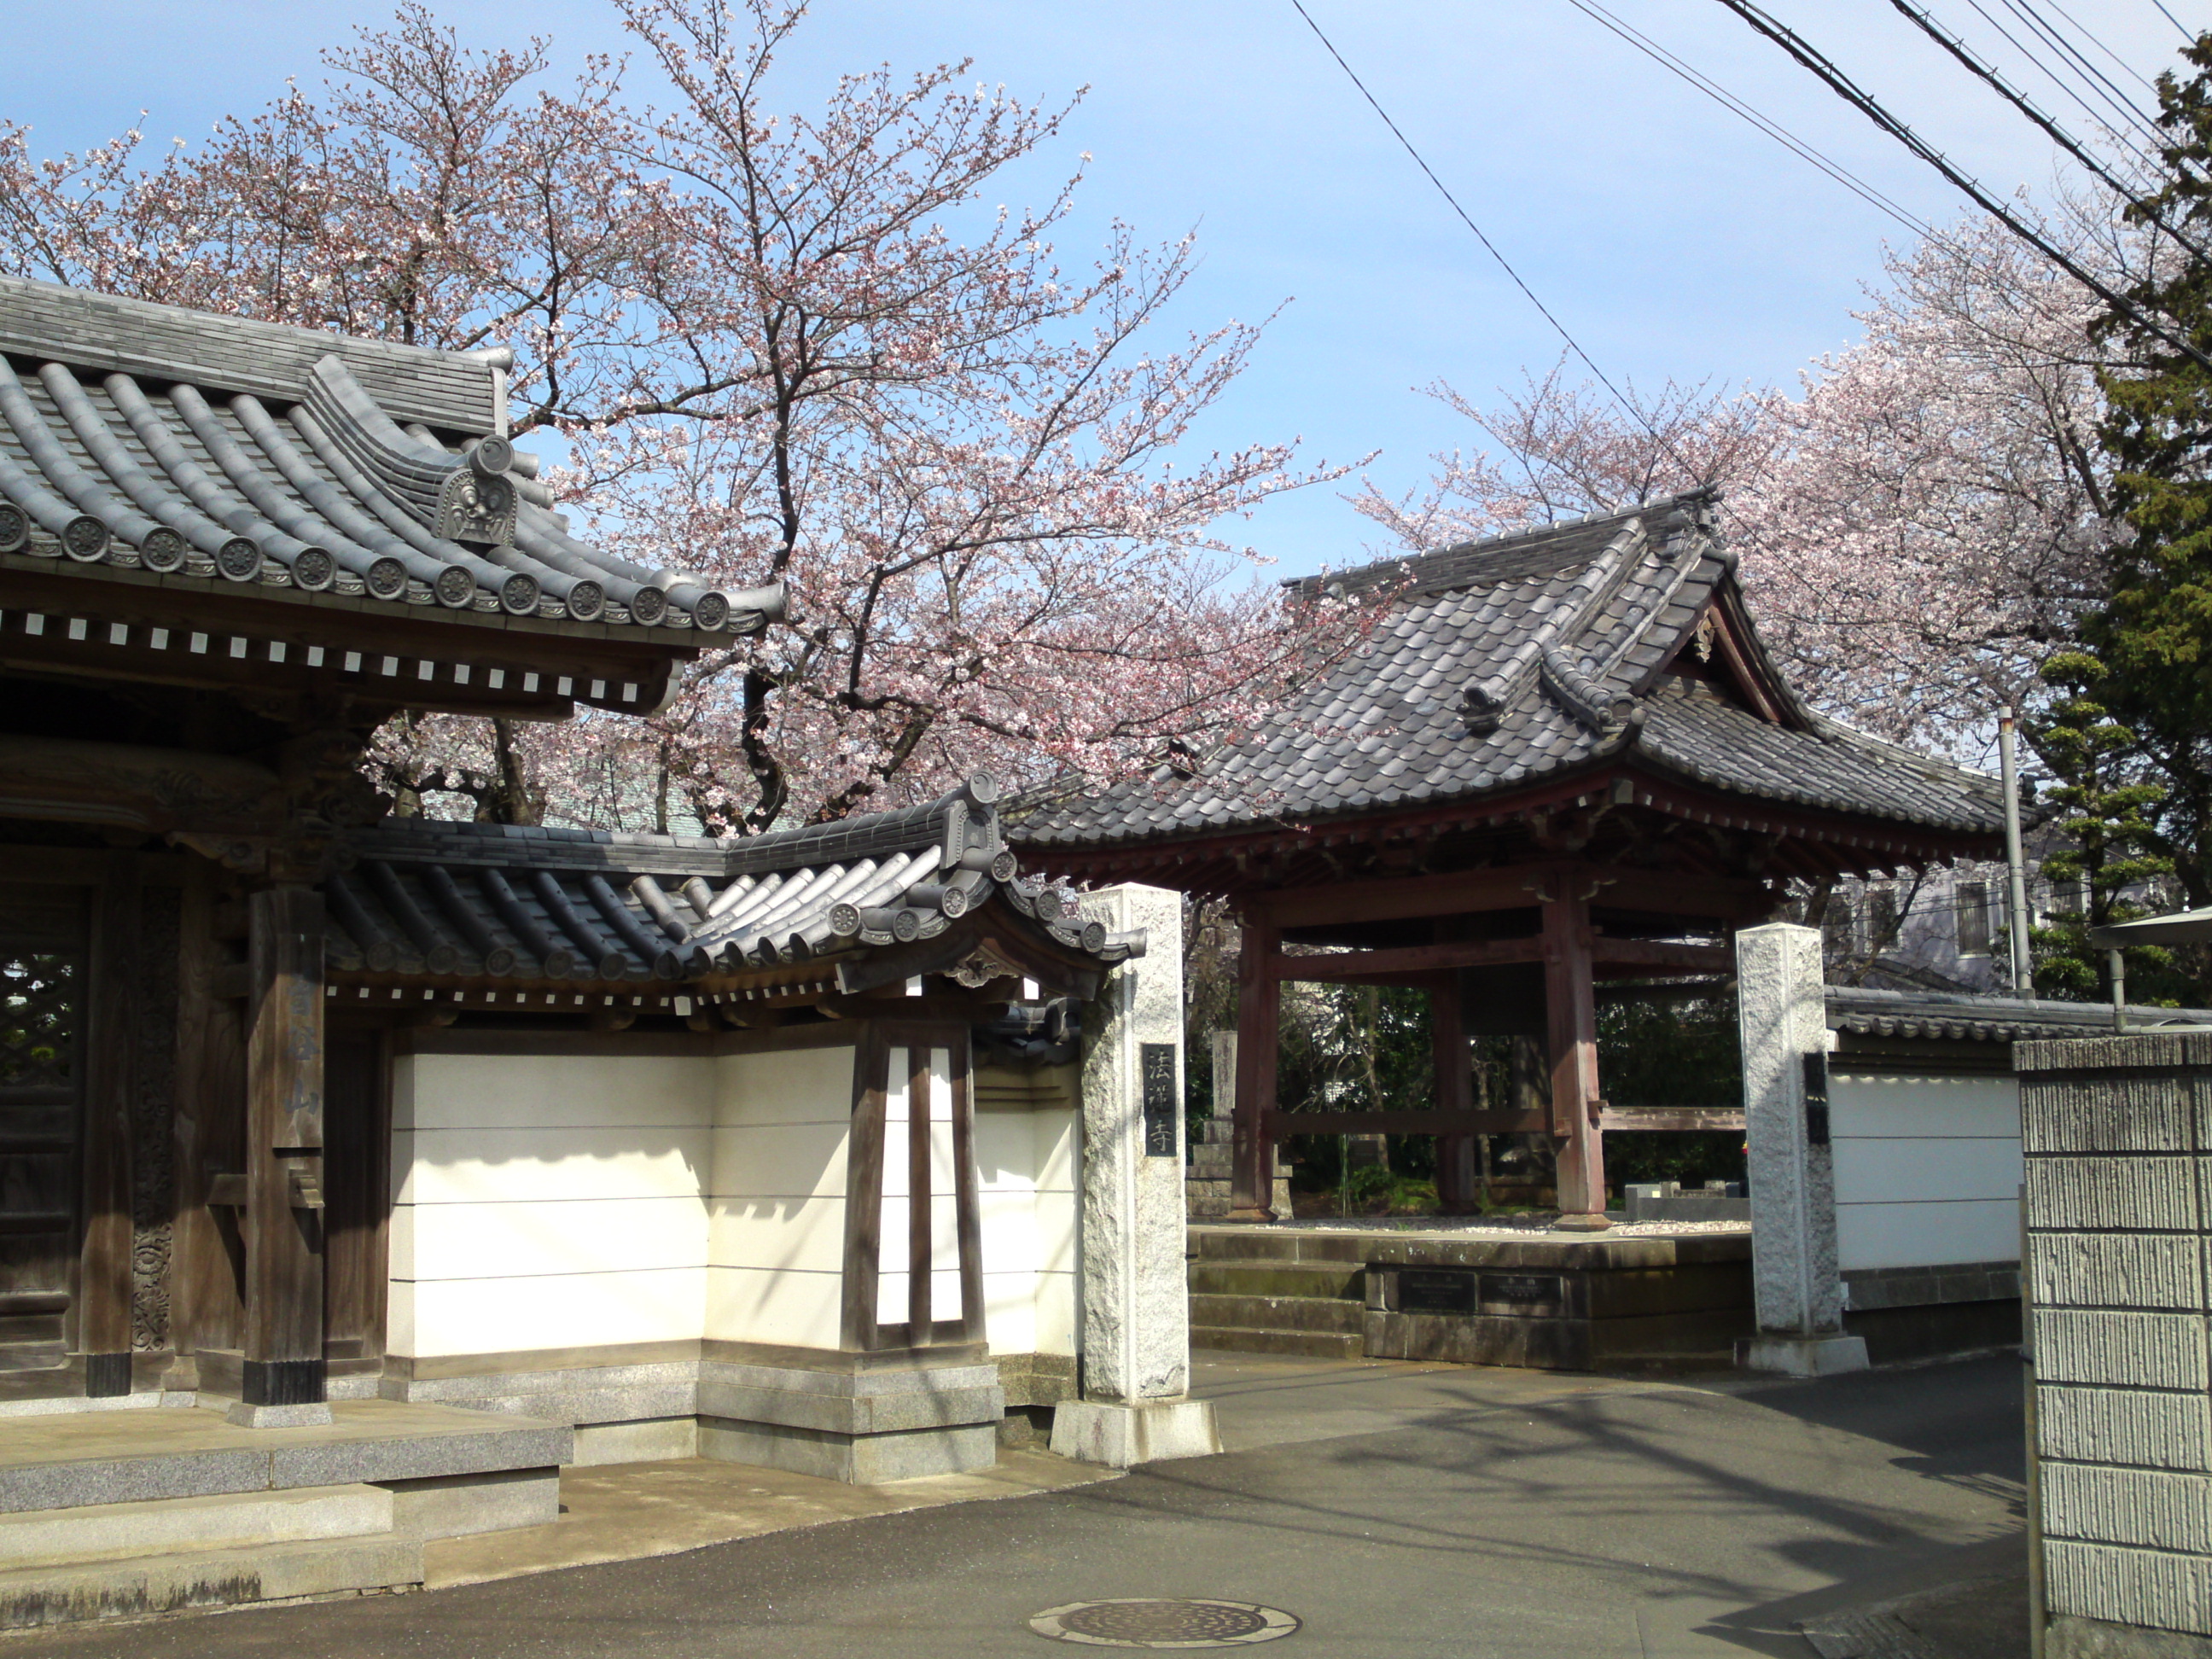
1398	1510
625	1511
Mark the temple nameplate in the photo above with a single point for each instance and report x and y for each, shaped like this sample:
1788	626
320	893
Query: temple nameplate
1157	1063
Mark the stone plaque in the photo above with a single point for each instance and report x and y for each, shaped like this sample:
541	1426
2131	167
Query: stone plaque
1524	1293
1162	1105
1436	1290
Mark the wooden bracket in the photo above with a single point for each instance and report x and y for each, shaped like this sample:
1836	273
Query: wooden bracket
303	1179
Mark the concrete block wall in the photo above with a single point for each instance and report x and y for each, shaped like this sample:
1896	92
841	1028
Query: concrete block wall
2118	1141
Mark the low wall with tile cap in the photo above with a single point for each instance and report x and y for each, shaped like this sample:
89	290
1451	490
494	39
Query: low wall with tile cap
2116	1134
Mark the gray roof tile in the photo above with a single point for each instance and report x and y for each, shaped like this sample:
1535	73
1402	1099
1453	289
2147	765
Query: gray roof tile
443	901
252	455
1614	597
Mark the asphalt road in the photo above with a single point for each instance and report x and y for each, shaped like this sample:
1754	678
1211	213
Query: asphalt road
1397	1510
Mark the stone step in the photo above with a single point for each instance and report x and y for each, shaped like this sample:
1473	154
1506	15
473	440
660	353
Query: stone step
1329	1280
85	1591
1278	1244
1277	1313
91	1458
1318	1345
97	1532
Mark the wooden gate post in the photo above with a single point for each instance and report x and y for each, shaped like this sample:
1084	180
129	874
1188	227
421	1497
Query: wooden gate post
1570	1015
110	1087
1455	1091
1258	1010
283	1357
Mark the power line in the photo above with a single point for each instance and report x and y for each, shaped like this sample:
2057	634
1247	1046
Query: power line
2096	41
1782	135
1504	263
1845	89
1774	129
2029	53
2058	135
2100	84
2172	19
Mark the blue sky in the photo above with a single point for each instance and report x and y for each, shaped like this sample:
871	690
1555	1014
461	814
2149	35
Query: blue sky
1671	238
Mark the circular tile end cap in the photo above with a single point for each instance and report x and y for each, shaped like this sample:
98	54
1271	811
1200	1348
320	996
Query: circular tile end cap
1147	1622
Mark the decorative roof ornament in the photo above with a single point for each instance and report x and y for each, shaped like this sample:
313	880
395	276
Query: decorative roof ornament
1480	708
1604	710
468	497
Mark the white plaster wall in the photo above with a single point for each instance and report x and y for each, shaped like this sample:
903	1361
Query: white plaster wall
572	1202
894	1238
1026	1161
776	1197
543	1201
1928	1169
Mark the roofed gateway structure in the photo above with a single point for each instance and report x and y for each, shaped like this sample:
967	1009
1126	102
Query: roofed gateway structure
298	1102
1564	760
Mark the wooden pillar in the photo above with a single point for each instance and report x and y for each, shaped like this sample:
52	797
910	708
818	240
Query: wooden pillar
357	1193
1258	1010
205	1310
864	1188
968	1203
1571	1017
1454	1080
284	1361
103	1334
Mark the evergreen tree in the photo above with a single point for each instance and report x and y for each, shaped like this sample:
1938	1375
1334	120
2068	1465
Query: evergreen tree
2109	839
2134	721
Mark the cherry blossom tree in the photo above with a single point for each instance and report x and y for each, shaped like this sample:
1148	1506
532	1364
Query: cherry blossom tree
1937	516
771	347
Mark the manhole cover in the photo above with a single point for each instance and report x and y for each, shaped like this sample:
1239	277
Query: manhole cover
1149	1624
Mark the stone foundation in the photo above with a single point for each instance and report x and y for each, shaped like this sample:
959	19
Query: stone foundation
1906	1314
1544	1300
1601	1304
1035	1379
861	1418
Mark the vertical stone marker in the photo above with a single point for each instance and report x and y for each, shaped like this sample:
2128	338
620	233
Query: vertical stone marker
1134	1334
1796	1283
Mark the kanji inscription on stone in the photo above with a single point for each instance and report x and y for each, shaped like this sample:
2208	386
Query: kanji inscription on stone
1158	1062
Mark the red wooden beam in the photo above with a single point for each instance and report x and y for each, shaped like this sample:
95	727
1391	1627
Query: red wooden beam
1673	955
1677	1119
1571	1018
1341	965
1282	1125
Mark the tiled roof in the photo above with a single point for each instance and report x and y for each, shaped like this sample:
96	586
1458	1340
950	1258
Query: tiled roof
1830	767
254	455
1501	663
464	901
1867	1012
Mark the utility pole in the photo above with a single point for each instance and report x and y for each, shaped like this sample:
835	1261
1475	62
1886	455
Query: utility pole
2023	978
